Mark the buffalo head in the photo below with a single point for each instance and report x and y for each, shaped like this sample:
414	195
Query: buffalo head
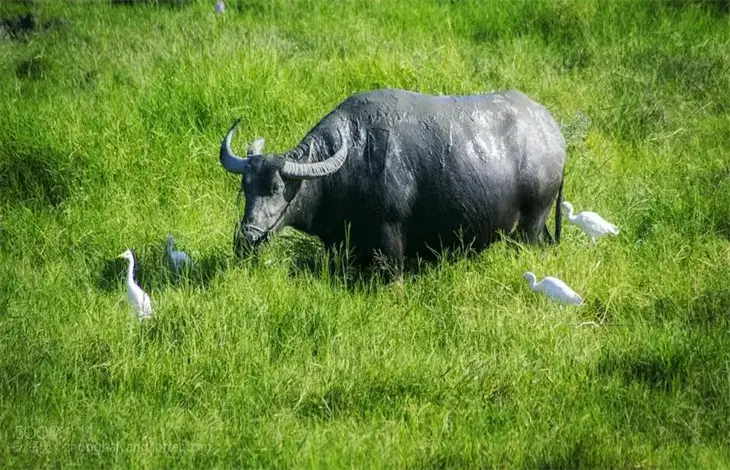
270	184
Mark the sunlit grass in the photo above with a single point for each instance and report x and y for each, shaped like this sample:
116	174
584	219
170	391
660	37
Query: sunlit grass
110	123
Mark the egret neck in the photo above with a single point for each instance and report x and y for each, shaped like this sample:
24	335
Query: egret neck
130	272
569	212
532	280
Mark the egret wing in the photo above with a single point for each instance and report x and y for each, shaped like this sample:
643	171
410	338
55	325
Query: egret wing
146	305
560	291
596	223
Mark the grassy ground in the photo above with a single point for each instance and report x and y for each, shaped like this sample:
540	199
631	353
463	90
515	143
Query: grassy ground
110	123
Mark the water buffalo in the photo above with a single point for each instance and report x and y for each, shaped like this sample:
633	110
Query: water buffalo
409	174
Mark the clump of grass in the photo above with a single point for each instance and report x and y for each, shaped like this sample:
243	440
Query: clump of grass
108	140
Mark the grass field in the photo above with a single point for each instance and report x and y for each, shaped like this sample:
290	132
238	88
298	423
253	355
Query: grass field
111	117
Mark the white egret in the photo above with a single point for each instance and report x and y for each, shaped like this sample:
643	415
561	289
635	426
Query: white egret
591	223
554	289
177	260
137	298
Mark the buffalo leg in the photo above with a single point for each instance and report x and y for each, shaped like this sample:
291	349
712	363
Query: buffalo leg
532	225
392	245
547	236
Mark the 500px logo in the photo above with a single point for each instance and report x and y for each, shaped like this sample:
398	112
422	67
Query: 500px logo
35	447
36	433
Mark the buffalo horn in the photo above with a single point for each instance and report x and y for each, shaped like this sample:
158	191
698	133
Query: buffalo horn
230	161
327	167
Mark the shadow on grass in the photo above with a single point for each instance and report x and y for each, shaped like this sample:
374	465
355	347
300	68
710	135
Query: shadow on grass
152	273
20	27
307	256
155	3
596	310
710	308
382	395
303	255
577	451
41	174
667	362
340	268
706	309
8	286
717	189
717	7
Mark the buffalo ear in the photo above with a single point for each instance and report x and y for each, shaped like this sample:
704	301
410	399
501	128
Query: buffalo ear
256	147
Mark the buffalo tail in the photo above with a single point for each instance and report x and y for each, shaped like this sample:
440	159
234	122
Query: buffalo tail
559	213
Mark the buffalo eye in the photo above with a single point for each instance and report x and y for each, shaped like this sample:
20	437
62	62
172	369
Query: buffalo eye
277	187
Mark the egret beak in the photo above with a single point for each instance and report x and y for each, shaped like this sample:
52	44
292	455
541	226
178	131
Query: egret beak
120	255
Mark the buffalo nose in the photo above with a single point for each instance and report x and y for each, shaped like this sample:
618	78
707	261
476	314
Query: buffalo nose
252	237
247	238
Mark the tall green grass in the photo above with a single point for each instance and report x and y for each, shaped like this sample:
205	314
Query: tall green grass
110	121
